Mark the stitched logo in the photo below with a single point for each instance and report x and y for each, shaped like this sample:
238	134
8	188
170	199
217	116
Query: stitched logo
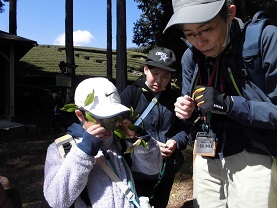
108	94
163	56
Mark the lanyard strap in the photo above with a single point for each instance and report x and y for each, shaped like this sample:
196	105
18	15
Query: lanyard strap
129	179
124	188
147	110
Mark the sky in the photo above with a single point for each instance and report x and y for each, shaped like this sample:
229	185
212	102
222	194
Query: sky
44	22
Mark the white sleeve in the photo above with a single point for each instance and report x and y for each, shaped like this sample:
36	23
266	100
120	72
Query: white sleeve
65	179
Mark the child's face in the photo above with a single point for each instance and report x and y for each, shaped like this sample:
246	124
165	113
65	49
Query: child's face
157	78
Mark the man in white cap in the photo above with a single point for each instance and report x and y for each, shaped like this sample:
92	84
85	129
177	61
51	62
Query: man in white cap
236	138
82	176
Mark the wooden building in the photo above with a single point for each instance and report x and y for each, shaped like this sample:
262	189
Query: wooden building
12	49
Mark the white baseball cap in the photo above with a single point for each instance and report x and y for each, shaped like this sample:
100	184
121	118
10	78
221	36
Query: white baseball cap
193	11
107	102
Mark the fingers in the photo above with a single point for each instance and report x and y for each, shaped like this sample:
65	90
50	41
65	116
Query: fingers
98	131
171	144
198	94
198	90
5	182
200	103
161	144
184	106
129	133
166	150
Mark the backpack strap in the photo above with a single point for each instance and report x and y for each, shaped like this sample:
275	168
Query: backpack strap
147	110
64	144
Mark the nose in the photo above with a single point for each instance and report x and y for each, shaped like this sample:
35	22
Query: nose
200	41
159	78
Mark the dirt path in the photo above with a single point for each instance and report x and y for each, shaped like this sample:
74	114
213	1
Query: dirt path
22	160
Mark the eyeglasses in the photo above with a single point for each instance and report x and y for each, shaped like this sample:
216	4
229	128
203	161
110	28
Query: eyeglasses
204	33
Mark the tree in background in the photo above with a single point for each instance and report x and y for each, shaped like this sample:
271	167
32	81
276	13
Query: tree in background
13	17
1	7
156	14
148	30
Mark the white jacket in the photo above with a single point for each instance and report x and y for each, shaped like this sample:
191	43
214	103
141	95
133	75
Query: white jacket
65	179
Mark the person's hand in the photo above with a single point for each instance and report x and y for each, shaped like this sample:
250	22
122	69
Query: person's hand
209	99
167	148
5	182
184	107
128	133
98	131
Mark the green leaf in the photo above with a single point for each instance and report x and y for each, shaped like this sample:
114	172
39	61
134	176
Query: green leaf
142	125
119	133
89	117
137	143
129	150
134	118
144	90
131	112
69	107
143	143
89	99
132	127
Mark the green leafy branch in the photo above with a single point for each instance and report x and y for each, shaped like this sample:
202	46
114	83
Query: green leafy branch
117	130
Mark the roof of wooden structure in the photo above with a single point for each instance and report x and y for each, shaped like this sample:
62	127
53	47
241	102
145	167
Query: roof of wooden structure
21	45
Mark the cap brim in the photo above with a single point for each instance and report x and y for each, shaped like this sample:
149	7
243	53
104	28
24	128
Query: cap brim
108	111
150	63
195	14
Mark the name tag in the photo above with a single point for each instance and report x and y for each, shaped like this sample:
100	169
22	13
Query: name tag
205	144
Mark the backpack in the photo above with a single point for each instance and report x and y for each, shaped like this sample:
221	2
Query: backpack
251	51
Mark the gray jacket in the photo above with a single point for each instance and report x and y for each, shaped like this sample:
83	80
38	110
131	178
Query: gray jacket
65	179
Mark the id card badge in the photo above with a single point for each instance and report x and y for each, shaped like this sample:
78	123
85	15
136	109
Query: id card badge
205	144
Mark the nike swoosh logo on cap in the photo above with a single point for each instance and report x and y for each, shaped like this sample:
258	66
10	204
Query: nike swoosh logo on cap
107	95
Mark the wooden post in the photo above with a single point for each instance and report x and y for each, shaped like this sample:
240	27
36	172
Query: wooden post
109	41
121	56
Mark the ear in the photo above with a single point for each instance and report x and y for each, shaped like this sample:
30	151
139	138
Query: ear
145	69
80	115
231	13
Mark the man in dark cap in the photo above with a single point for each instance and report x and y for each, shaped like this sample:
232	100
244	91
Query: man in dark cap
152	98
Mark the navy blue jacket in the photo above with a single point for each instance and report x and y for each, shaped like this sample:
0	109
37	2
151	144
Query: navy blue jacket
161	122
254	114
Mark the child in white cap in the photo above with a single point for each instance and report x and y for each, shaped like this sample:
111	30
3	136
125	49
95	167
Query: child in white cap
79	176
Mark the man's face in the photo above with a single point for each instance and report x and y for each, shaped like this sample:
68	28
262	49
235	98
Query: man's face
207	37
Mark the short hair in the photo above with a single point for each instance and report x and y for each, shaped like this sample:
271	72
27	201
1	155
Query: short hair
223	13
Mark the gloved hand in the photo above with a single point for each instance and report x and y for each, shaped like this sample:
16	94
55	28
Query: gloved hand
209	99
